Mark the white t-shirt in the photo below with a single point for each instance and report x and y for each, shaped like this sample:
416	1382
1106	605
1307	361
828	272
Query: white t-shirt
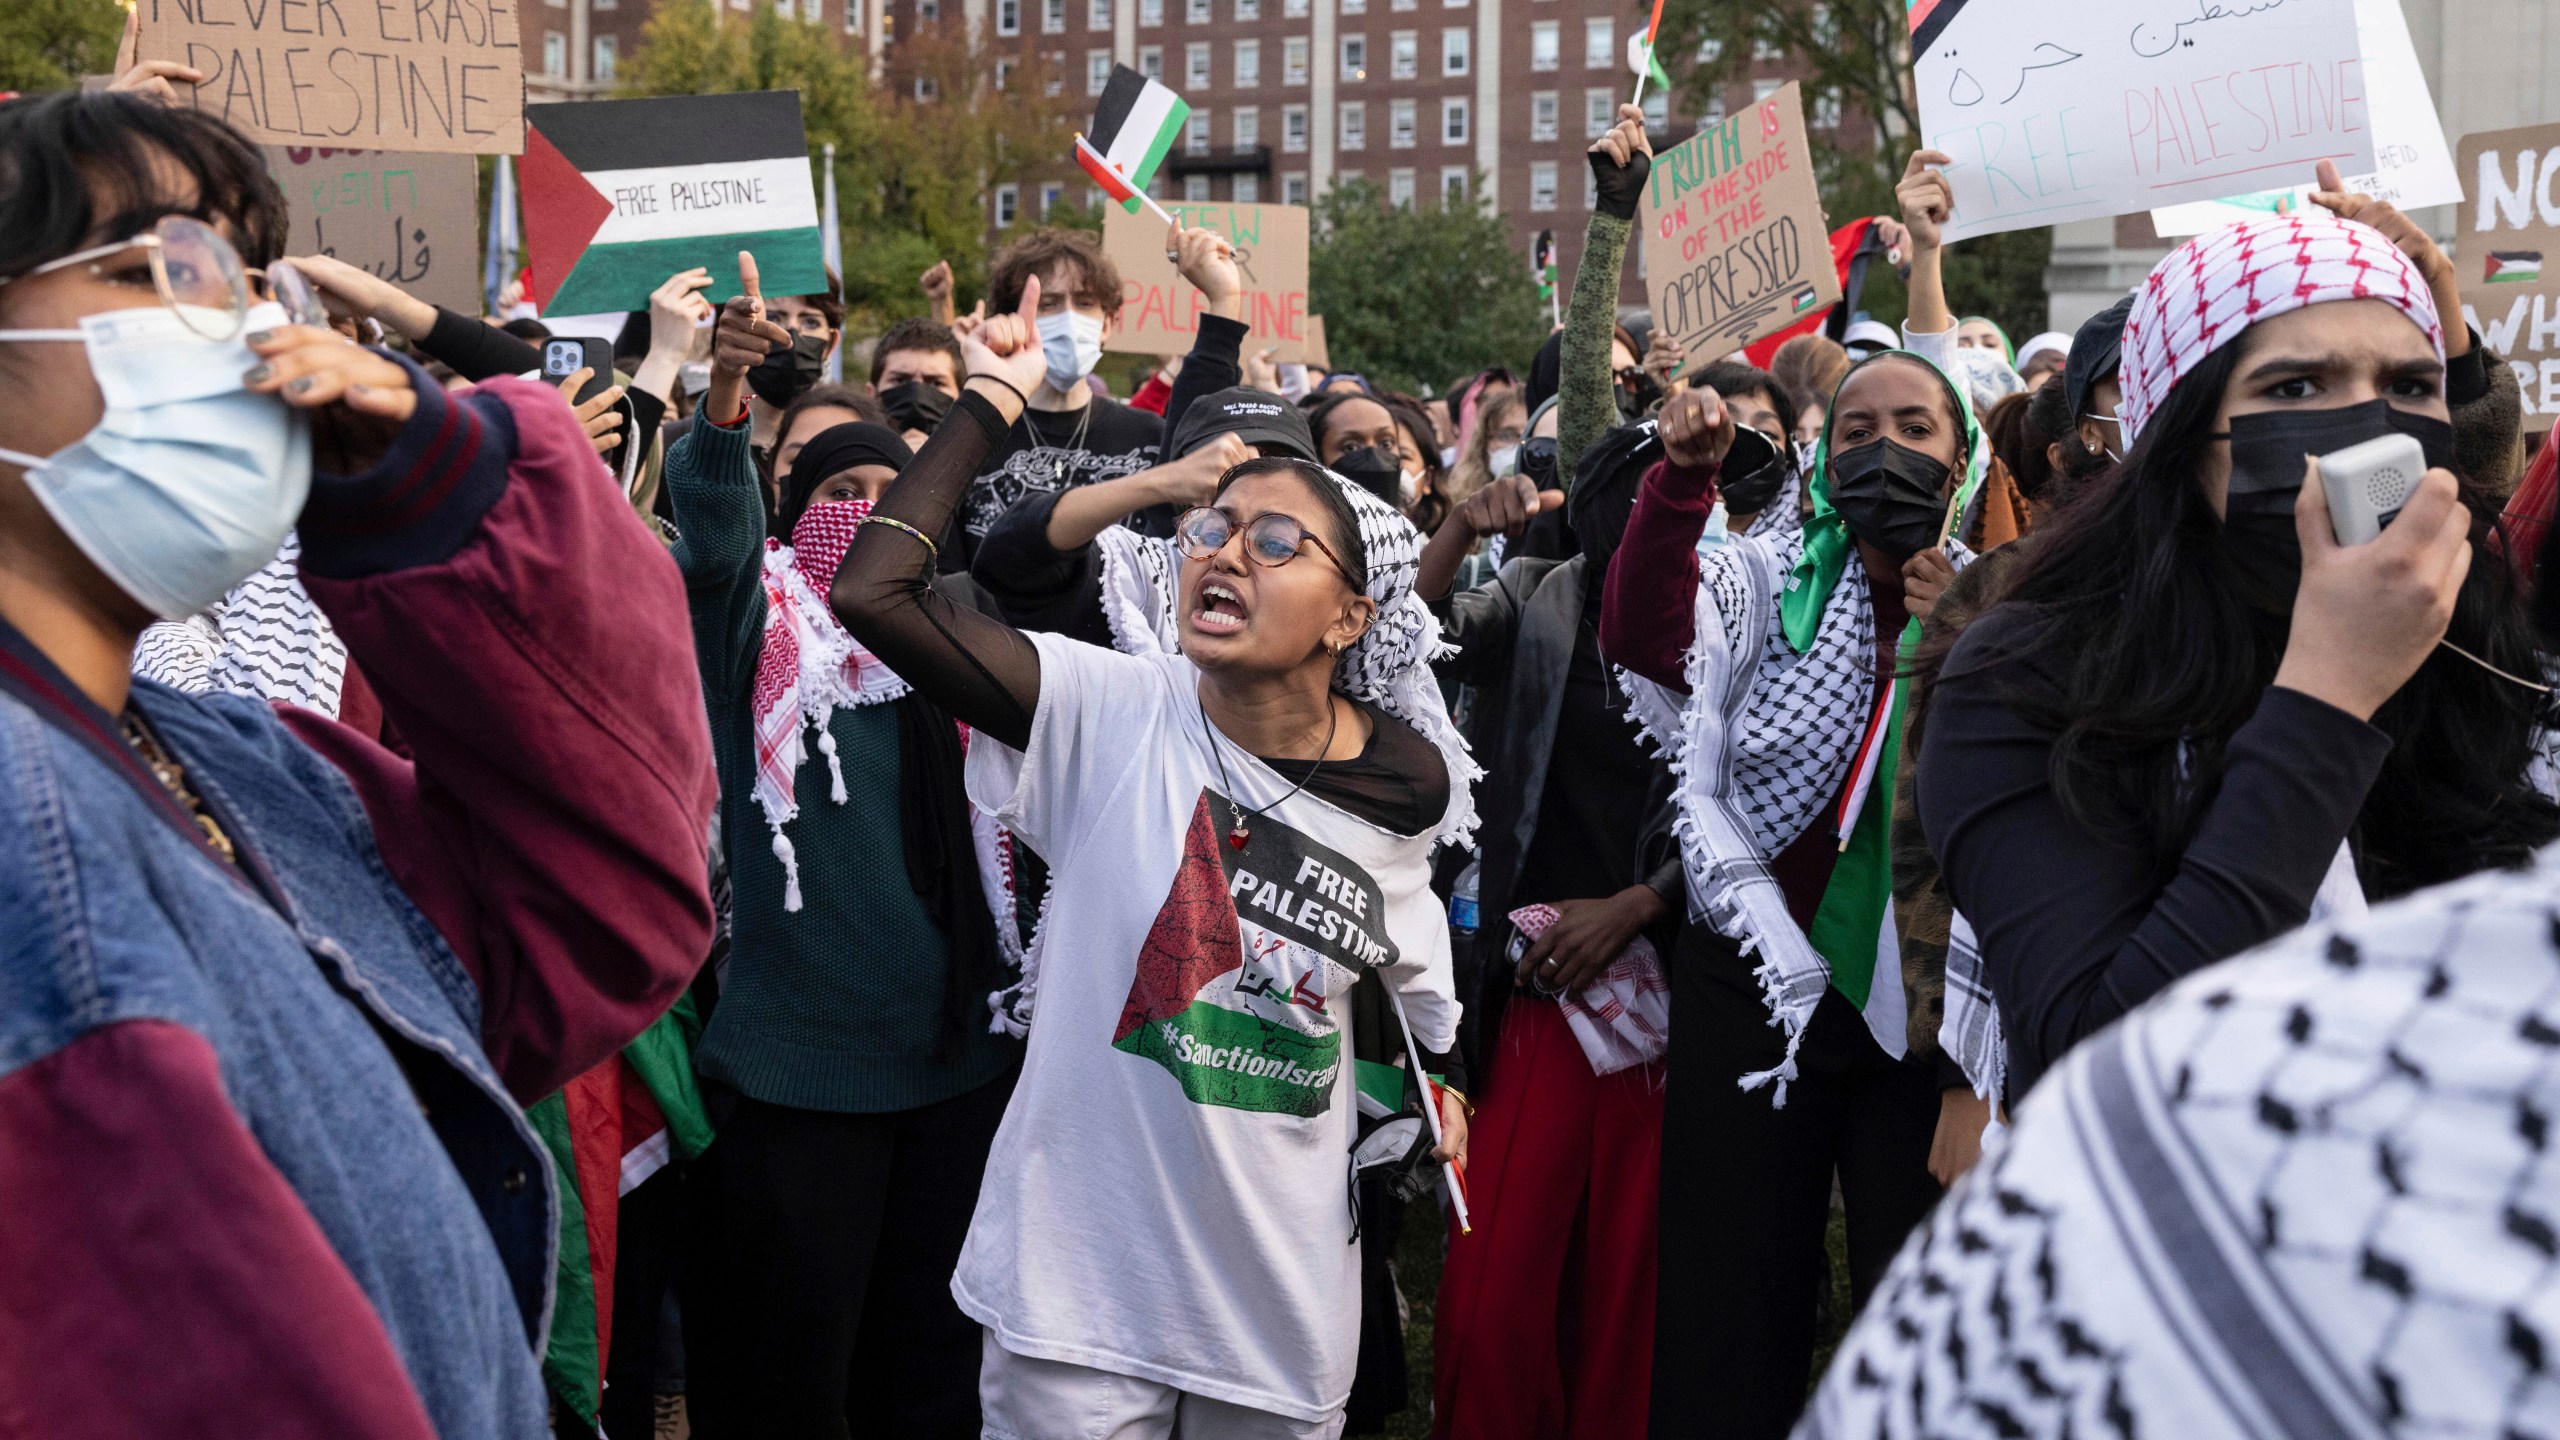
1169	1195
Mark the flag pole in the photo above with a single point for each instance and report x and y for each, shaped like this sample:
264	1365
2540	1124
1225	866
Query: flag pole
831	250
1652	32
1086	147
1449	1171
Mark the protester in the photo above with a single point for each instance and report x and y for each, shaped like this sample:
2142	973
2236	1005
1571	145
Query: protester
1544	1324
852	1033
1068	436
915	375
1867	338
1763	676
1980	332
1493	445
1810	365
1768	499
277	993
819	409
1169	1078
2041	358
1364	437
2310	736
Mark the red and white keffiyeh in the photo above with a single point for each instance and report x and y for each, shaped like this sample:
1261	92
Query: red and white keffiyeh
809	665
2222	282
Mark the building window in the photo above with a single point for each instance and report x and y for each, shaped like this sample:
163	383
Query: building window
1195	12
1151	61
1342	178
1542	115
929	11
1599	43
1053	15
1351	128
1453	122
1008	204
609	4
1008	17
1195	189
927	91
1453	187
1710	50
1248	11
1765	50
1097	71
1293	188
1195	65
1763	89
1826	111
1094	199
1053	76
1713	114
608	55
555	55
1543	43
1293	128
1355	57
1402	123
1248	64
1004	73
1599	112
1050	195
1657	111
1355	7
1248	126
1455	48
1195	134
1150	12
1293	9
1542	185
1400	188
1248	190
1403	55
1097	14
1401	4
1293	60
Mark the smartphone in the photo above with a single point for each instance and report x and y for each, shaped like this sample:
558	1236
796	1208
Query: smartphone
2368	482
565	355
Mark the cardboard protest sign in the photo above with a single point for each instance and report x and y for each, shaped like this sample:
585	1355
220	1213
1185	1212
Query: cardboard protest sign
2507	244
1160	312
1313	351
621	194
2414	164
434	75
2056	112
410	219
1735	246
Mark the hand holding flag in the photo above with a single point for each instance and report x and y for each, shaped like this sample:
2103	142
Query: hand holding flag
1134	126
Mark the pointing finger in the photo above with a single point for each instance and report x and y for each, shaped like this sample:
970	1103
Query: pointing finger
1029	310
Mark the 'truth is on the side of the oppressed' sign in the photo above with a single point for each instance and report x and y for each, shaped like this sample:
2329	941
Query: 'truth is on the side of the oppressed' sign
1735	245
407	75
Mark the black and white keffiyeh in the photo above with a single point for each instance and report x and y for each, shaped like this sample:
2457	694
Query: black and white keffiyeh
2310	1192
1141	591
264	638
1764	738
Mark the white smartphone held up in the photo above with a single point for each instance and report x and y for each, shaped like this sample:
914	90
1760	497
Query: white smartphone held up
2368	482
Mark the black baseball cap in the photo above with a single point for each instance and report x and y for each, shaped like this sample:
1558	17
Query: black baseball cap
1256	417
2097	351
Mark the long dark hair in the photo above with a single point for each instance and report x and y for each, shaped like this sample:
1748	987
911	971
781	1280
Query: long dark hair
2139	625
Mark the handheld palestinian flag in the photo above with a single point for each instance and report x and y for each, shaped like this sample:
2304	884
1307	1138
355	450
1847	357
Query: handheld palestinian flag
620	194
2513	267
1134	128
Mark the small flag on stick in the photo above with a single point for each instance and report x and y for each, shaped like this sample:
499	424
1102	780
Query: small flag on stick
1135	126
1652	63
1543	266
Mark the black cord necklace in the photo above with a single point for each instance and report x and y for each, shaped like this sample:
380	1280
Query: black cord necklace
1237	837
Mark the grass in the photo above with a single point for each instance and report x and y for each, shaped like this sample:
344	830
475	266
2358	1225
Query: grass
1418	1275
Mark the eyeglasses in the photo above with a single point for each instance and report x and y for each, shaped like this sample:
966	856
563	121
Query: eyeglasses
200	277
1270	541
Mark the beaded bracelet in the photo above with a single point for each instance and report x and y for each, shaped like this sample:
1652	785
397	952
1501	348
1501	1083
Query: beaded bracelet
896	524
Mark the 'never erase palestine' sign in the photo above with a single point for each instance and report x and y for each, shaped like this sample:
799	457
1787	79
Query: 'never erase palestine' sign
1735	246
2058	110
433	75
1160	311
621	194
2508	247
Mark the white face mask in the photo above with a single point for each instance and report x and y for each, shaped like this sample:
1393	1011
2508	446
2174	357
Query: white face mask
1503	459
189	482
1409	489
1072	344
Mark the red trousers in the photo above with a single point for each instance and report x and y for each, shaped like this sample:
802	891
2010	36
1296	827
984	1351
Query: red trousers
1545	1322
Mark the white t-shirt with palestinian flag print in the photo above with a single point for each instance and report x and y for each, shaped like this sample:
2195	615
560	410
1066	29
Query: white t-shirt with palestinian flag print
1169	1195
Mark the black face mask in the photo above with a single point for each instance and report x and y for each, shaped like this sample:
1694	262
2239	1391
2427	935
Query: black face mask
1374	470
1892	496
1538	462
915	405
1752	474
2267	453
1637	391
785	375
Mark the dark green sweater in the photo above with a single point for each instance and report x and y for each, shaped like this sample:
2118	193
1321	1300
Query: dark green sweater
838	1005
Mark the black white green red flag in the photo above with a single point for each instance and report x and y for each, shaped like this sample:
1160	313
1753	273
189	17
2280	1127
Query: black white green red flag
1135	125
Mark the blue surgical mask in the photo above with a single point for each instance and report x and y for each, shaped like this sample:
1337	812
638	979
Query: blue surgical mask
189	482
1072	344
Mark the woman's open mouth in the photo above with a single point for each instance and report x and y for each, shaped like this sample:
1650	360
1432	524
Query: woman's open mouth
1220	608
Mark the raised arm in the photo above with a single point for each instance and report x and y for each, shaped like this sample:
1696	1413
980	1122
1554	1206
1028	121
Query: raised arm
980	669
1927	200
1586	405
1208	261
473	350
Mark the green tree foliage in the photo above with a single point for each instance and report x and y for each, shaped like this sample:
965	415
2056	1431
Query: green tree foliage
1412	297
917	150
1859	52
50	44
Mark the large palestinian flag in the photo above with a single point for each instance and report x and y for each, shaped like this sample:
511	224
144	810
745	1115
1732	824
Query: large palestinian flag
620	194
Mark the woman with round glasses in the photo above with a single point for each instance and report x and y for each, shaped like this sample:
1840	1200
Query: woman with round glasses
273	994
1236	834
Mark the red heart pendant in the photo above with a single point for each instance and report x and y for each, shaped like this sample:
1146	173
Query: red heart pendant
1236	837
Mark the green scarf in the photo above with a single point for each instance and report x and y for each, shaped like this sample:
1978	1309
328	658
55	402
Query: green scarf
1848	924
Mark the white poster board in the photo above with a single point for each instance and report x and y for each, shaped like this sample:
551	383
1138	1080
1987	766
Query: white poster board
2414	165
2057	110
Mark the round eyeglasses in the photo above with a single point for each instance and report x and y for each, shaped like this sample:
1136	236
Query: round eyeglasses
1270	540
200	278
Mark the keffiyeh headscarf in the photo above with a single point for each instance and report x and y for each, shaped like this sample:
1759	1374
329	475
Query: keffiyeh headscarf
2220	283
